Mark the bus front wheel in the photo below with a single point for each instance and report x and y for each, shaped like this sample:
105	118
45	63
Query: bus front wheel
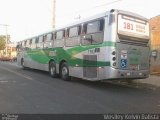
65	72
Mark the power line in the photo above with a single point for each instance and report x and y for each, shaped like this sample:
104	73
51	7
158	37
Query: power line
104	4
54	7
108	3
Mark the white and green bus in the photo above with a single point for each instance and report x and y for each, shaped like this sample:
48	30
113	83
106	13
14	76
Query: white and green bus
110	45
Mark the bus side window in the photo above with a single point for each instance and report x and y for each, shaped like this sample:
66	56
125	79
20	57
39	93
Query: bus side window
93	27
74	36
84	30
94	32
45	41
30	42
40	42
27	44
67	33
44	38
49	40
73	32
101	28
86	39
19	46
60	35
49	36
79	30
33	44
59	39
55	36
36	42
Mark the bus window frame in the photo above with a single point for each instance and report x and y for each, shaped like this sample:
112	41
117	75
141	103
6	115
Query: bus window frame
33	43
40	42
59	42
73	37
88	36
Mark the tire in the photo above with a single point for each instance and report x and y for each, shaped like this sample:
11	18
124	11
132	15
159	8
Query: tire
64	72
22	64
52	69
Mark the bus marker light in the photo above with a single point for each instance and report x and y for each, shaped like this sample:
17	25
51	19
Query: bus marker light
128	74
98	68
114	53
114	64
77	65
114	58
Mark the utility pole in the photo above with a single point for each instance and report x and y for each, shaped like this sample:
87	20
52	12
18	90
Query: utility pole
6	41
54	14
5	25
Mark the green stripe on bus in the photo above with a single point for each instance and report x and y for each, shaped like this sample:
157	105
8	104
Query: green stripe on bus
42	55
79	49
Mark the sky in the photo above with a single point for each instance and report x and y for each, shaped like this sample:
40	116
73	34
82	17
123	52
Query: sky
26	18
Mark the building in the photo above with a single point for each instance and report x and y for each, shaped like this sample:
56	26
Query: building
155	43
155	32
8	51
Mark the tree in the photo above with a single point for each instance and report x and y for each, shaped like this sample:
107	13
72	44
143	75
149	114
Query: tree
2	42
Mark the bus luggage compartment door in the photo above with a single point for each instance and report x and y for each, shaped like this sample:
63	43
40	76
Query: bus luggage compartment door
90	66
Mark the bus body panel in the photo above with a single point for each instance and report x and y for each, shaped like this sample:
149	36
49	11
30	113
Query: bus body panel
132	57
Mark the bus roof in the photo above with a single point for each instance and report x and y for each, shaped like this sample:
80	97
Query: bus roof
94	17
101	15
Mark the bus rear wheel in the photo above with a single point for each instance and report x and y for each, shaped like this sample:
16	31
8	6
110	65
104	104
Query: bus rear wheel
52	69
65	72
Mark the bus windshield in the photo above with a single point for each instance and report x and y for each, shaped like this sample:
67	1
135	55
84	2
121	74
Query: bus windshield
133	28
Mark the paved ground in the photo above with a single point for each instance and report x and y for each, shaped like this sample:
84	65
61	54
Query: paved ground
155	80
33	91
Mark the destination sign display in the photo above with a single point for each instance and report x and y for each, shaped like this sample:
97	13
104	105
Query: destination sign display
132	26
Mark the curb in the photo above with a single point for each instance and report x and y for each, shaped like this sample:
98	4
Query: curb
155	73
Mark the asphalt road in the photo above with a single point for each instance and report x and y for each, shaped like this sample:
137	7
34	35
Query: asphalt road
35	92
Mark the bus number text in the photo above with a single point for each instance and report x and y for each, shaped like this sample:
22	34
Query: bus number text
128	26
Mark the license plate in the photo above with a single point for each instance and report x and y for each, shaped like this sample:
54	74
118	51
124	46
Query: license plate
134	67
